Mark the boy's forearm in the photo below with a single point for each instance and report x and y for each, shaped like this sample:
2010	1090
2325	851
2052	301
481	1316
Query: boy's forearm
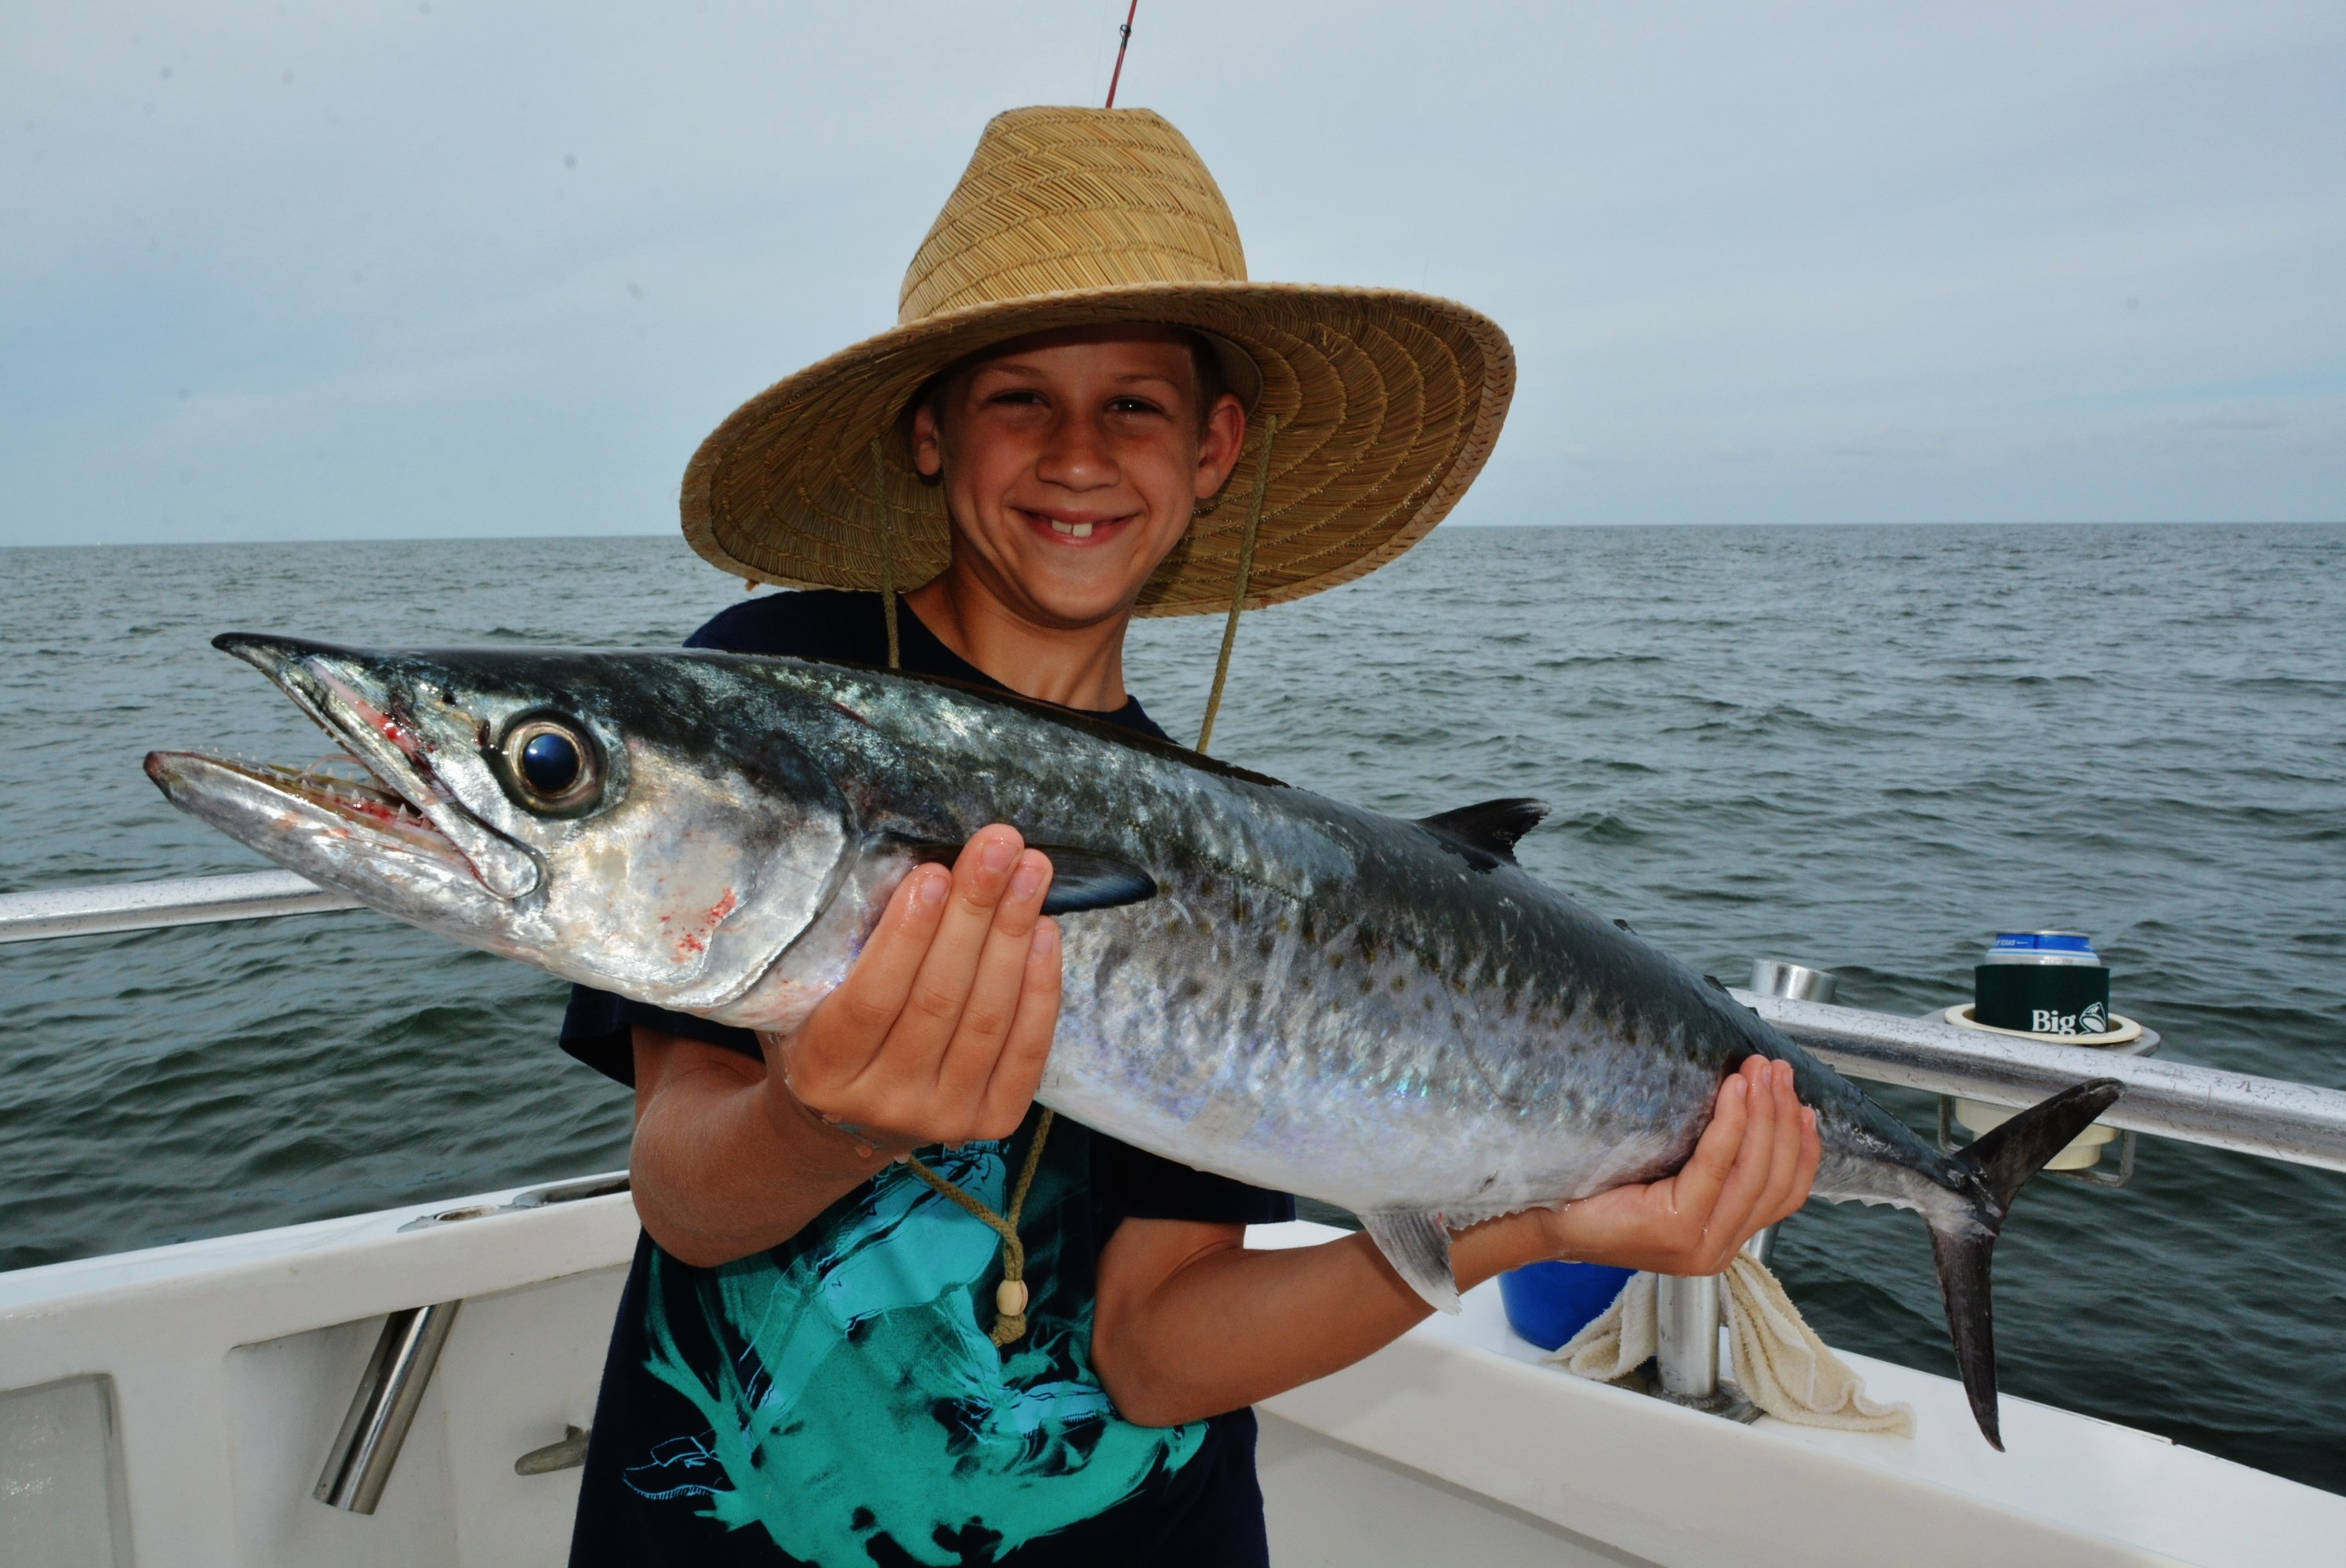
1191	1324
1227	1326
719	1170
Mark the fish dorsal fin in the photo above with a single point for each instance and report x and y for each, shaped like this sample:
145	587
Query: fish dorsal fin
1417	1243
1490	827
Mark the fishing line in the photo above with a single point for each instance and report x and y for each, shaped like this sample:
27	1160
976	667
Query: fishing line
1124	42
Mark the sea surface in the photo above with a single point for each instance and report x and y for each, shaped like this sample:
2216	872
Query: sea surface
1867	748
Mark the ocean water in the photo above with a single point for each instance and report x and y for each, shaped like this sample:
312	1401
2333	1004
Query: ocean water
1863	747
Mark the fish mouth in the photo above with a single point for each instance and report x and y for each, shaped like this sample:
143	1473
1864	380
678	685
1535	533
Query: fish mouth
388	783
339	789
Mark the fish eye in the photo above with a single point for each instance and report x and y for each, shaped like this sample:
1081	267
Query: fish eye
552	764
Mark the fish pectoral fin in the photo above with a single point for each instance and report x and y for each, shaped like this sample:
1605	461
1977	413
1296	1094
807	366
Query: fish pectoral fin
1087	879
1417	1243
1080	878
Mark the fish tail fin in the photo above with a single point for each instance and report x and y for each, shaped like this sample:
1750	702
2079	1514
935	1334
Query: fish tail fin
2000	1164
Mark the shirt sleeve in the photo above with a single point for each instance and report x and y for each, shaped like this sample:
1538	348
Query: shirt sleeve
1132	1183
599	1029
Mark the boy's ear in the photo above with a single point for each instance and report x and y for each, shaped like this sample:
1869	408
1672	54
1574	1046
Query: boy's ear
927	442
1217	452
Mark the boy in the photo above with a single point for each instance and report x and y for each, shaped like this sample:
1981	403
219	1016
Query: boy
827	1352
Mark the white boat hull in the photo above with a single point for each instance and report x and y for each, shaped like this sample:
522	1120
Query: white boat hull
172	1409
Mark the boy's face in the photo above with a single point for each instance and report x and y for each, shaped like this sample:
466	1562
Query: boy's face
1072	462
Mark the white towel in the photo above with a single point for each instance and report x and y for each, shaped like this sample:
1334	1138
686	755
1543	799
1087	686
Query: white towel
1780	1363
1618	1340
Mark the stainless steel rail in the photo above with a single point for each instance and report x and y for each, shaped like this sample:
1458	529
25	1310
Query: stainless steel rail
2269	1116
389	1394
144	906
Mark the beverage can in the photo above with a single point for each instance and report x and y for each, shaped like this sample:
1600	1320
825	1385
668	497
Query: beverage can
2069	947
2042	983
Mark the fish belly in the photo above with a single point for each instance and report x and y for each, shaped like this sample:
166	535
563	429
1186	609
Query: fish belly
1319	1064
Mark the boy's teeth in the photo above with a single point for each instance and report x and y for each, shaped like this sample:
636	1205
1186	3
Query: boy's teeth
1072	530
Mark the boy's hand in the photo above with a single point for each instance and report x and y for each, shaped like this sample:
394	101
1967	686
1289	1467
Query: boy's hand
1752	1168
938	1032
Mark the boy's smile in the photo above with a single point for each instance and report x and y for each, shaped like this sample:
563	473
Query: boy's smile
1073	461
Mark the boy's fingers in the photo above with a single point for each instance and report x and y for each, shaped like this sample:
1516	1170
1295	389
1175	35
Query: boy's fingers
1804	1170
994	1001
1789	1126
1781	1153
1018	1070
1695	1189
1747	1183
865	1006
933	1008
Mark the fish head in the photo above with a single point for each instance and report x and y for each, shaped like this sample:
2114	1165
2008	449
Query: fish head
614	820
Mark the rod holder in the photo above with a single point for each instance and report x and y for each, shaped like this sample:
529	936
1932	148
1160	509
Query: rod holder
1798	982
1686	1312
390	1392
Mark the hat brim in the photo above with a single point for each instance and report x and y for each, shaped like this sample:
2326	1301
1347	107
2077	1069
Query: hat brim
1388	404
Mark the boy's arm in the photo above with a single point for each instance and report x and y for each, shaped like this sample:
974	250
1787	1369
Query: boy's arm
1191	1324
938	1035
725	1162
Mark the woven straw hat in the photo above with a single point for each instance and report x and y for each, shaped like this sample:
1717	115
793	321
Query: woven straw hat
1386	402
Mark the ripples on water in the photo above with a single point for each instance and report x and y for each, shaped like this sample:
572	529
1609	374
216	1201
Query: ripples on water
1863	747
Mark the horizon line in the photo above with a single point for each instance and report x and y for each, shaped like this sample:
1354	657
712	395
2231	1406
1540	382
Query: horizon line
1454	527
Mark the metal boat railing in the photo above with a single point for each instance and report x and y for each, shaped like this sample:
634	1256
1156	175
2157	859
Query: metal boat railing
145	906
2270	1118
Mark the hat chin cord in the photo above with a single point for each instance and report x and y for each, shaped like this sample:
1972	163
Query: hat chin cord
1245	571
887	550
1012	1297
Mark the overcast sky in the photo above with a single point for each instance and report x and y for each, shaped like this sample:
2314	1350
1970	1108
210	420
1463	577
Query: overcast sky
355	270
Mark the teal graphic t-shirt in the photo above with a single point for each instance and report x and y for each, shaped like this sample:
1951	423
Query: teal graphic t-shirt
837	1400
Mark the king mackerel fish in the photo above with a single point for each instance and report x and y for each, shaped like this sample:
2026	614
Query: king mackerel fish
1385	1014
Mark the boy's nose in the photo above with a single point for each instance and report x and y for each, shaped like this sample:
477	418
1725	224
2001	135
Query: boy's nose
1077	456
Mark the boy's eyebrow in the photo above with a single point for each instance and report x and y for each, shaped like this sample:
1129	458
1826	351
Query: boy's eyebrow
1014	367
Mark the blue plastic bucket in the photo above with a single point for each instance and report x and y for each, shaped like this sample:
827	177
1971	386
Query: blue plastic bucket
1548	1303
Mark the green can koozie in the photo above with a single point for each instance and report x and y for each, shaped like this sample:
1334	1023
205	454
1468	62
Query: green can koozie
2043	982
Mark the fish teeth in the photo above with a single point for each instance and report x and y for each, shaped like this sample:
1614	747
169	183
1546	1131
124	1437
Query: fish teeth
1072	530
330	779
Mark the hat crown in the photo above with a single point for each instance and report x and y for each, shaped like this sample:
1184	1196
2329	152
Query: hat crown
1057	200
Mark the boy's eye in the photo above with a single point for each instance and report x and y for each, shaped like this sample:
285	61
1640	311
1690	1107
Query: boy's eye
1133	405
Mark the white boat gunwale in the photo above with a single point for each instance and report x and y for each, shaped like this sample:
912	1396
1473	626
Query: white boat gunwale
197	1337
